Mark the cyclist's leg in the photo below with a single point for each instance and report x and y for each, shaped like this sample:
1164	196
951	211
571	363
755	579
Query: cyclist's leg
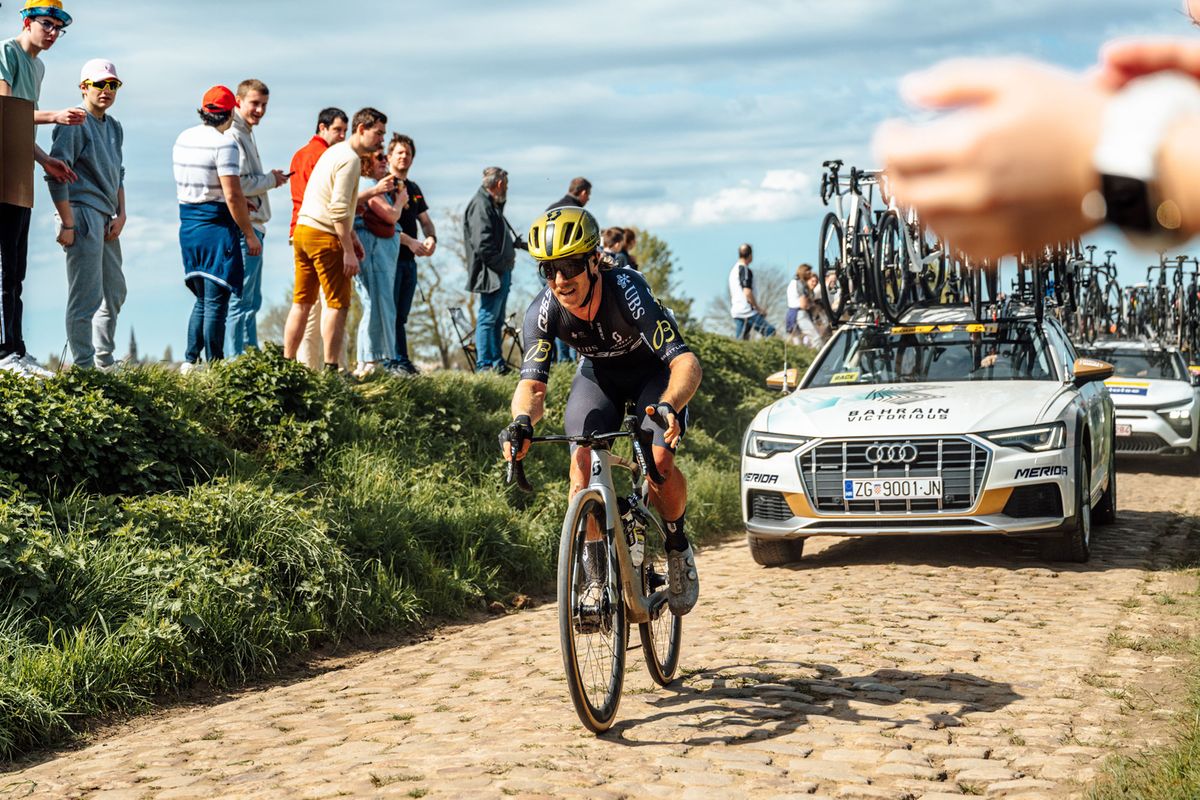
591	408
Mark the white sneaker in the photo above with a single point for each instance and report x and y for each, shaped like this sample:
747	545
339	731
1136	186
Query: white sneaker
35	369
12	363
188	367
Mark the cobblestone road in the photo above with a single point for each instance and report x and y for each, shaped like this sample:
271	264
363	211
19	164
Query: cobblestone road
899	668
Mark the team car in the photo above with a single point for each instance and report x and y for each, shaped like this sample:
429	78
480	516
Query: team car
1156	398
939	424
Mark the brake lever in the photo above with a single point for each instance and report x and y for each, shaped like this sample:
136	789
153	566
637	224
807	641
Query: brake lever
516	472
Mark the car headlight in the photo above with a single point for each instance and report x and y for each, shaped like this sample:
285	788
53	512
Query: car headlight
765	445
1179	416
1037	438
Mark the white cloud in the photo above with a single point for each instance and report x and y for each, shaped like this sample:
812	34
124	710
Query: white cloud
782	194
645	215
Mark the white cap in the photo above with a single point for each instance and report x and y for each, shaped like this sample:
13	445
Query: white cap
98	69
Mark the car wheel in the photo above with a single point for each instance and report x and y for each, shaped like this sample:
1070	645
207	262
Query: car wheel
1106	509
775	552
1074	543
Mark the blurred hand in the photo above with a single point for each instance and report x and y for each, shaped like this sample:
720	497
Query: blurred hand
115	226
280	177
430	245
70	116
66	238
359	252
253	244
59	170
350	263
1009	168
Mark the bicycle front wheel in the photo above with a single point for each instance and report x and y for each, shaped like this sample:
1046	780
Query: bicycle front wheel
833	294
591	615
891	274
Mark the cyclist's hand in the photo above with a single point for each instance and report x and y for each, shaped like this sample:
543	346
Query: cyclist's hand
666	415
517	434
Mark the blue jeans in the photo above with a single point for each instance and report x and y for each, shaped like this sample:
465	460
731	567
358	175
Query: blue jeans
743	325
377	279
563	352
206	328
243	308
488	325
406	287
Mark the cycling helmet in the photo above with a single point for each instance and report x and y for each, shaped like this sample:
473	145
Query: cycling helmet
46	8
563	232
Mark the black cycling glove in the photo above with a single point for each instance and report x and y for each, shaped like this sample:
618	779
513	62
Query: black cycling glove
661	409
517	433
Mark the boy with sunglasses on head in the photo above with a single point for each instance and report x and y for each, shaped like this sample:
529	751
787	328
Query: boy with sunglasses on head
44	22
91	213
631	351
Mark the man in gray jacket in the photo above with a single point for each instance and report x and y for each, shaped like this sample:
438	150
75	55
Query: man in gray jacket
91	213
242	323
491	252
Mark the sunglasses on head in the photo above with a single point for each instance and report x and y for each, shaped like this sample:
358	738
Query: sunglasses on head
570	267
109	85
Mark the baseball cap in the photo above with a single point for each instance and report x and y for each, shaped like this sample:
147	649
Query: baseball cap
217	99
46	8
98	69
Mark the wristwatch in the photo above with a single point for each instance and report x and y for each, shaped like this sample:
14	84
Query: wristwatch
1134	125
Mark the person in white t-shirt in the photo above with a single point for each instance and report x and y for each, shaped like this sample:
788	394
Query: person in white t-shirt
747	314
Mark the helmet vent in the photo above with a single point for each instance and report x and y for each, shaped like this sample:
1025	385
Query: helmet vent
533	237
569	229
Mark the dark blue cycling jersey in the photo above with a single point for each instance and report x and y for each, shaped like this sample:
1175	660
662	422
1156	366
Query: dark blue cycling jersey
631	332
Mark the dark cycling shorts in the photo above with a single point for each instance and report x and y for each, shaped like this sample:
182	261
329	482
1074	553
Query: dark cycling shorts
597	402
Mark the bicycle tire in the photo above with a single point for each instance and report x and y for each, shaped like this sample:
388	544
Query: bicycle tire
829	257
861	268
1113	321
893	287
937	270
595	694
662	638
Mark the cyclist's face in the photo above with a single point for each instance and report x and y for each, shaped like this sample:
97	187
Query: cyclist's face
570	292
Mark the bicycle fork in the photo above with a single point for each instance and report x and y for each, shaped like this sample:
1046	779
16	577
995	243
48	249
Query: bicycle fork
638	607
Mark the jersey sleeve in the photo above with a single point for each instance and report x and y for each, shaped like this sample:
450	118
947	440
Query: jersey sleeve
416	199
745	277
655	324
538	336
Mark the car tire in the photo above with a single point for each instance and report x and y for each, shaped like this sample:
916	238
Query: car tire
775	552
1074	543
1106	510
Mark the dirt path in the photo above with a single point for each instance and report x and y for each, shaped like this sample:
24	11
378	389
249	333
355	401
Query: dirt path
900	668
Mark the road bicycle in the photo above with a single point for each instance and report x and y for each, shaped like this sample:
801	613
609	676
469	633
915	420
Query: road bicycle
1099	298
846	243
910	263
594	620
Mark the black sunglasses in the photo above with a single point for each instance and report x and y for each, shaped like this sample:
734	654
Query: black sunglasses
570	267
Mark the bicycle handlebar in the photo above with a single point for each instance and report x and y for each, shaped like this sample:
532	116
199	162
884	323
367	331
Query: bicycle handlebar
642	442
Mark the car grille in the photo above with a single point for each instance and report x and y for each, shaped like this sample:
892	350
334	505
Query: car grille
959	462
1140	443
769	506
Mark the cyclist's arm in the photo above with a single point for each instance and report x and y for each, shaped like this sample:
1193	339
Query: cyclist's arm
685	380
529	399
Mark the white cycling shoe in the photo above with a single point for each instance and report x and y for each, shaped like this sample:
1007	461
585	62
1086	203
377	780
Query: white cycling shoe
683	588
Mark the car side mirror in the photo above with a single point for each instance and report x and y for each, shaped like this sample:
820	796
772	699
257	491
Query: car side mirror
1088	370
1196	379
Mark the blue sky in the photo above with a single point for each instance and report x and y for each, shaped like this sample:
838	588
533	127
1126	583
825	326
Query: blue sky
704	122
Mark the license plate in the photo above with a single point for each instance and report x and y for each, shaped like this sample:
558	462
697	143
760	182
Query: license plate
1124	430
892	488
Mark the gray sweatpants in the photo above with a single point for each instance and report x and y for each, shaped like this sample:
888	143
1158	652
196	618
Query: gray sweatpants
95	289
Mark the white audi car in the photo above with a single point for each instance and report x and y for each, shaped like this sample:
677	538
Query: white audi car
938	425
1156	398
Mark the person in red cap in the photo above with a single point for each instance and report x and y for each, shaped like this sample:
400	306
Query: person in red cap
43	23
213	216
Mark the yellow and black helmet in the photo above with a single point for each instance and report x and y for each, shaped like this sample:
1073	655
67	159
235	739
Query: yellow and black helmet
563	232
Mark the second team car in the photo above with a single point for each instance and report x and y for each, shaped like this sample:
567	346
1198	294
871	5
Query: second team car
940	425
1157	398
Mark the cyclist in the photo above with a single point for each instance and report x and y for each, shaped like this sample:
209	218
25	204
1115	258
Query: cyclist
631	351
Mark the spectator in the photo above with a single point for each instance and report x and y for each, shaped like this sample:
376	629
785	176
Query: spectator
630	245
801	305
747	314
491	252
612	243
43	22
578	194
401	153
92	215
213	214
326	247
375	225
816	309
252	96
331	129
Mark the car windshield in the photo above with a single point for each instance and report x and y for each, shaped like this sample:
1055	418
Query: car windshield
1141	363
956	352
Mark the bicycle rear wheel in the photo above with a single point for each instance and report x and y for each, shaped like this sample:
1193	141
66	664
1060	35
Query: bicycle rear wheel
591	618
829	259
662	638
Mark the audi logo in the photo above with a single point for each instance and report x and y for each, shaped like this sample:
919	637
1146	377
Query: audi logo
891	453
